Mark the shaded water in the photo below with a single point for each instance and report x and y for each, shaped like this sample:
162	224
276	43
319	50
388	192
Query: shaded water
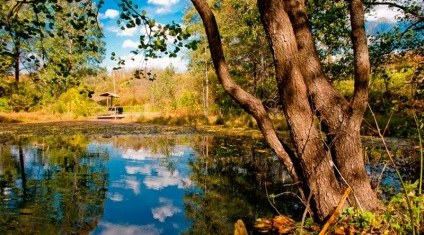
159	184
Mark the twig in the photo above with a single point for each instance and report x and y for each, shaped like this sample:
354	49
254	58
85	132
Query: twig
389	154
388	121
421	154
421	164
267	196
336	211
306	211
380	177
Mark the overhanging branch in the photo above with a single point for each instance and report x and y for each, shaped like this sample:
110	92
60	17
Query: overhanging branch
405	9
250	103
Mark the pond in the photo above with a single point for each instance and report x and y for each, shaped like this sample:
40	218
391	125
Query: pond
112	178
139	184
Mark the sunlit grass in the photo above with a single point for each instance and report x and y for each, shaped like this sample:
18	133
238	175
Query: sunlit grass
33	117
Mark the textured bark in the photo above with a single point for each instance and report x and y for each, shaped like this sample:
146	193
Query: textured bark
251	104
311	151
331	106
341	118
348	148
306	93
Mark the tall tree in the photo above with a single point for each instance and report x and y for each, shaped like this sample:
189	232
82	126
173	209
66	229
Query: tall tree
16	39
59	39
323	166
75	49
162	91
304	92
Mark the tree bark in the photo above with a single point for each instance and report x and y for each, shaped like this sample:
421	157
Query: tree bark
336	113
312	152
251	104
306	93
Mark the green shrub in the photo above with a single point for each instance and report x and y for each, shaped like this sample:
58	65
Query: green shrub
4	105
74	101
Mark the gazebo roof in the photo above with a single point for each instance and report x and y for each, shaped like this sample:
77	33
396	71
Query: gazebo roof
109	94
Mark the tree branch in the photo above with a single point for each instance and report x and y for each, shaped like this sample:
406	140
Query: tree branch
17	7
250	103
323	94
361	58
405	9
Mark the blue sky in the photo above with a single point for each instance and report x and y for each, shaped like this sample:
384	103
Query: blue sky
123	41
164	12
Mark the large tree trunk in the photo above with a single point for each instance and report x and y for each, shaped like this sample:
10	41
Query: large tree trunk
306	94
341	119
313	154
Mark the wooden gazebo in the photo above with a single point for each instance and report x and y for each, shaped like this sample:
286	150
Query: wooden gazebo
109	100
114	112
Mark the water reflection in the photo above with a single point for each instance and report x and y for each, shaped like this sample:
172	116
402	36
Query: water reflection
144	196
139	185
233	176
60	190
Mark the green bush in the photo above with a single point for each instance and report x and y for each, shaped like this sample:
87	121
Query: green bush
75	101
4	105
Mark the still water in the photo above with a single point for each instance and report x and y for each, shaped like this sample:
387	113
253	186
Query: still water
159	184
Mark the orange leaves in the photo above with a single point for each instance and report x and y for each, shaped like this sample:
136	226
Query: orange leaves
281	224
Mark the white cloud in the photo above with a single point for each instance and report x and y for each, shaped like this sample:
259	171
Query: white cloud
110	13
162	10
138	61
116	197
163	2
144	170
167	209
165	179
130	44
153	182
166	5
132	183
141	154
112	229
128	183
383	13
126	32
179	64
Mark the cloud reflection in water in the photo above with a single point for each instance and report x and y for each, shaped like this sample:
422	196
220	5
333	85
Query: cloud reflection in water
113	229
167	209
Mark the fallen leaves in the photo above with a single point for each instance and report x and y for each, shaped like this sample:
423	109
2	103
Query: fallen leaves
281	224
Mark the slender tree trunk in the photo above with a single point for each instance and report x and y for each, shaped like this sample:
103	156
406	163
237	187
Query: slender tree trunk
16	64
22	168
348	147
251	104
